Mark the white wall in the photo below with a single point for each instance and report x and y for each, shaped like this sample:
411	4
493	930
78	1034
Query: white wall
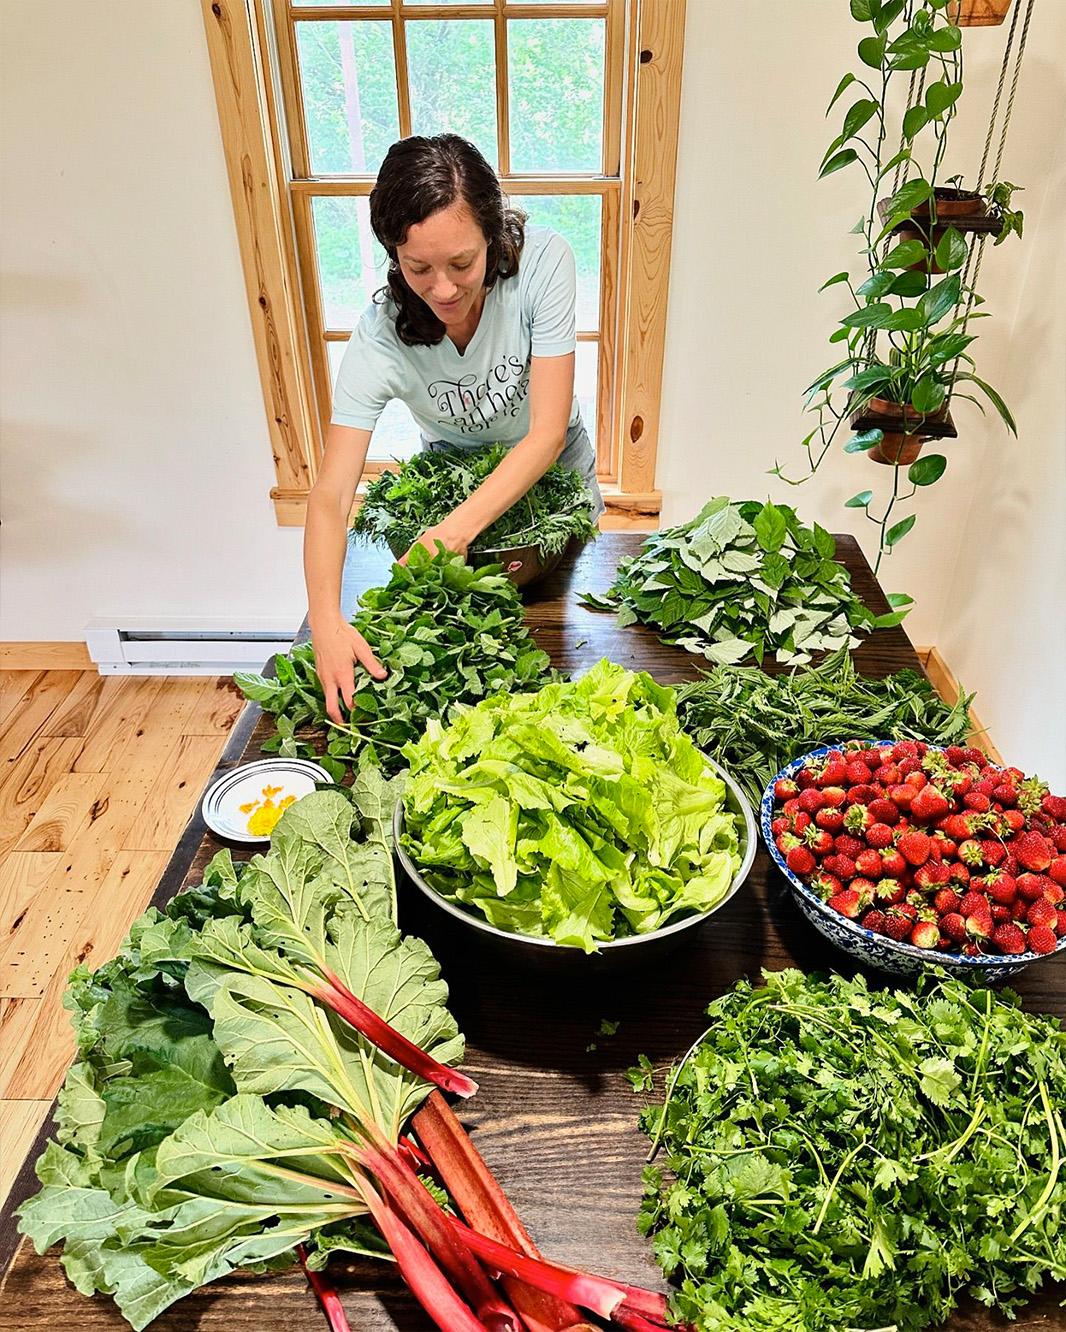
136	463
756	234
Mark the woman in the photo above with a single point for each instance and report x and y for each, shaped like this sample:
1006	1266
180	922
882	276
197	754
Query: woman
476	334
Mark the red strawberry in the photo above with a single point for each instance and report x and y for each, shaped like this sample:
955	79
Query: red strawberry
834	796
866	888
779	825
834	773
947	846
1041	939
929	803
930	875
811	800
956	826
926	934
1000	914
800	821
1042	913
1010	866
804	778
907	766
818	840
1060	928
1006	793
890	891
973	902
1057	871
791	807
992	853
1013	821
848	845
980	925
842	866
862	794
946	902
1001	887
958	873
785	789
1033	851
874	920
1018	908
1053	892
857	772
884	810
898	924
873	757
887	774
905	749
900	794
1057	837
972	949
830	819
953	926
1032	886
1008	939
915	779
825	885
847	902
799	860
892	863
868	863
1055	807
914	847
970	853
978	801
879	836
955	755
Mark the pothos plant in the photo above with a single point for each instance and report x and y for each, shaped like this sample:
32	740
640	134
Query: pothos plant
906	335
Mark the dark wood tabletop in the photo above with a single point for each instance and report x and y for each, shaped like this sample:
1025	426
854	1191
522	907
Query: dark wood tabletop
555	1116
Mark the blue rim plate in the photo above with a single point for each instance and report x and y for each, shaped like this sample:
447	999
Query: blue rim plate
865	944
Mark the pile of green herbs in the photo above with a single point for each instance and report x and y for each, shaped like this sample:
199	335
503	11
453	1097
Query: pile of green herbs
743	580
216	1107
399	506
581	813
841	1158
753	724
446	633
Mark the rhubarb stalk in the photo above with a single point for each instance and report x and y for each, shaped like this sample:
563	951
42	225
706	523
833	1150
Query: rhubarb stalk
477	1193
327	1296
408	1055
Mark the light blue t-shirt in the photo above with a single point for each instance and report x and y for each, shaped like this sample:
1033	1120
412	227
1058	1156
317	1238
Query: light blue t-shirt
483	394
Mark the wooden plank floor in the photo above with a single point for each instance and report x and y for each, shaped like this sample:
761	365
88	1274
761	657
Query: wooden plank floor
98	775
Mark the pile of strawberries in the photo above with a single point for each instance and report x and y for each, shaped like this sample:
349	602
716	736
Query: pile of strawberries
934	847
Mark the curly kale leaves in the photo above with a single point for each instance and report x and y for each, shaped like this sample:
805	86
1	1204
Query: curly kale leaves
446	633
843	1158
741	580
400	505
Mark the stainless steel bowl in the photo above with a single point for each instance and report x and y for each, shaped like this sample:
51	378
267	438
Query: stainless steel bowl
617	955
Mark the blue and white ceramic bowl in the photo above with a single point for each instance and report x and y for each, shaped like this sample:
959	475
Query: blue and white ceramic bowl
877	950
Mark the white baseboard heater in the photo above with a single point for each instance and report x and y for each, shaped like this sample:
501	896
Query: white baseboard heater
184	645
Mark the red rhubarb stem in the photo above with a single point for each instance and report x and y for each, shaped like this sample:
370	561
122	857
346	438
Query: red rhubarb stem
422	1214
428	1283
408	1055
635	1322
478	1195
327	1296
598	1294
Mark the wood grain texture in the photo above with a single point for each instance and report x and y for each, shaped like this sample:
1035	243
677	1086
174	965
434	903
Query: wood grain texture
555	1121
27	781
44	656
19	1122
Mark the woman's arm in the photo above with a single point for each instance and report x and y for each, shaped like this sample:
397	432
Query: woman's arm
337	645
551	395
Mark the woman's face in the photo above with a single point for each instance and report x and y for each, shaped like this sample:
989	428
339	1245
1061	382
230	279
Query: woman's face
443	262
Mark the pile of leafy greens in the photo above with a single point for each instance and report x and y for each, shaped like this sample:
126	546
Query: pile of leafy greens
580	813
753	724
446	633
842	1158
742	580
218	1108
400	505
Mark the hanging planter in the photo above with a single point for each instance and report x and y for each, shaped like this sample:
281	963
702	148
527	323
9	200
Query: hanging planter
904	430
978	13
965	210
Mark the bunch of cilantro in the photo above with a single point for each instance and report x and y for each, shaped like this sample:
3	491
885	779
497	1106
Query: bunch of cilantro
580	813
213	1115
400	505
743	580
841	1158
445	632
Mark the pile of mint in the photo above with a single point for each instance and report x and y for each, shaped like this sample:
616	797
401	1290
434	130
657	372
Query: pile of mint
841	1158
212	1116
446	633
581	813
399	506
743	580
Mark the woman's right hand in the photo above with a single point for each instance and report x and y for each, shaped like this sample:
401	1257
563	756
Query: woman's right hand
337	648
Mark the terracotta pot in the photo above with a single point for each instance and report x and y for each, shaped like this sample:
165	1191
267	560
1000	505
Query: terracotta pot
903	449
907	415
978	13
953	203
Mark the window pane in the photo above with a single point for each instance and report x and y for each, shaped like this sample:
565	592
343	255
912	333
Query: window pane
556	94
395	435
577	218
586	366
349	91
351	263
451	67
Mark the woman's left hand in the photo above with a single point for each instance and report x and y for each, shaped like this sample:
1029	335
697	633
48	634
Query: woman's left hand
449	538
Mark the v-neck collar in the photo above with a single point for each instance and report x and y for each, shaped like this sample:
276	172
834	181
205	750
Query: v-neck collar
462	355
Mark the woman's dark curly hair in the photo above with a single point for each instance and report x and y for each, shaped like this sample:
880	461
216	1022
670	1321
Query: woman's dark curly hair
420	176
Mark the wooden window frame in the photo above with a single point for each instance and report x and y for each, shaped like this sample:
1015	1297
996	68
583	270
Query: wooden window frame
271	189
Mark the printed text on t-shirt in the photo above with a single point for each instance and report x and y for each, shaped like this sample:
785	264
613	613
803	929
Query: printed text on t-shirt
473	406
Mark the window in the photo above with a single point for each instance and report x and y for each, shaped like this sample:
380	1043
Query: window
551	91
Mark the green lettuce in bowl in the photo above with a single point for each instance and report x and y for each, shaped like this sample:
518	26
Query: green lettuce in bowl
579	814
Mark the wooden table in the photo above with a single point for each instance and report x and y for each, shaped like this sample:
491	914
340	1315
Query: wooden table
554	1118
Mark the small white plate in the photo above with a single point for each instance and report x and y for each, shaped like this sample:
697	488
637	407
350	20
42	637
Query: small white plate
246	785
